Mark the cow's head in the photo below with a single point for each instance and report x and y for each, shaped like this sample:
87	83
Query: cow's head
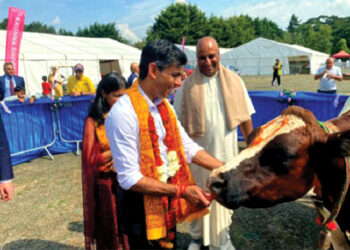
273	168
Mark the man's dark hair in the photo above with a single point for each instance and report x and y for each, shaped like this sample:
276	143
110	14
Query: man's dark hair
163	53
7	63
19	88
44	78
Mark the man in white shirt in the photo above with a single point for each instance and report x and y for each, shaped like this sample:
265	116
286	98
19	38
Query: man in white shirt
328	76
211	104
161	67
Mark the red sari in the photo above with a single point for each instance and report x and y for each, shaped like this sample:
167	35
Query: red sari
99	191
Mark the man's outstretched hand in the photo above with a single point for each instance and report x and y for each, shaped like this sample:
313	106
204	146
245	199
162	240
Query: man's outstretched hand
196	196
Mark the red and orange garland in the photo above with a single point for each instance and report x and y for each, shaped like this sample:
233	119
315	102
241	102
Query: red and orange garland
162	213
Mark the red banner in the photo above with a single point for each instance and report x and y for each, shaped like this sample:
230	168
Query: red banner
15	25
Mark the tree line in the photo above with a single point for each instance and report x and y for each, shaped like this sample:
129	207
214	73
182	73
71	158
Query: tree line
94	30
325	34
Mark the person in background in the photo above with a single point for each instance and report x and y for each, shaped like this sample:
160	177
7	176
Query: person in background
172	95
277	72
21	95
9	81
184	75
211	104
79	84
6	173
328	76
135	70
100	184
46	86
56	82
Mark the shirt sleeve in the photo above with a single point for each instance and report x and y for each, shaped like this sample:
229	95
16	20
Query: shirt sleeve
122	132
90	84
339	72
5	181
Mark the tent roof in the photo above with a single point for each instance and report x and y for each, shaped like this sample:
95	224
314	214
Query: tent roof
262	47
341	54
40	46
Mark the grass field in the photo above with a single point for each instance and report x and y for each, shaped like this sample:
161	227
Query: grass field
46	211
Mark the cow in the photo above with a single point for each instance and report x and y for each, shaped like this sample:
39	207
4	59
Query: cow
285	158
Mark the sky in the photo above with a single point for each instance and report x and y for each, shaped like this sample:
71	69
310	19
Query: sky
133	17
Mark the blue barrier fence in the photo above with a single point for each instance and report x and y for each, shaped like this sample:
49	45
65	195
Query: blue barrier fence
269	104
47	127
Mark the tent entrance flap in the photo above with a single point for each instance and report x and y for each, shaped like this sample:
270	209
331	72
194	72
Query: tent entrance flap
299	65
108	66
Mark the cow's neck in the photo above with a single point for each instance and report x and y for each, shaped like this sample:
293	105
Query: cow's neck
332	178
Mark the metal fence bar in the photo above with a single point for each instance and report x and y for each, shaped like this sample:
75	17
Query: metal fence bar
45	147
66	140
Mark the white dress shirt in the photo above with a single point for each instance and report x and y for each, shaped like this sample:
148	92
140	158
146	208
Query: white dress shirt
7	91
122	129
327	83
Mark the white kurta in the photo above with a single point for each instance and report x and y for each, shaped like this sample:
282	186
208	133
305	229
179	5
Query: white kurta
222	144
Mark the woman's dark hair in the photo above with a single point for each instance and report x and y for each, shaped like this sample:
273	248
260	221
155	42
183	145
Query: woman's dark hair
109	83
163	53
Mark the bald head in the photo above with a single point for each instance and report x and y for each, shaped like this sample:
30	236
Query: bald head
207	42
208	56
329	63
134	67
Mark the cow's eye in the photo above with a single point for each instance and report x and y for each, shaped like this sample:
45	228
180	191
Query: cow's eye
277	159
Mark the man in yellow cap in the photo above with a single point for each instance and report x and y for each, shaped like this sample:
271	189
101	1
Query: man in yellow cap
79	84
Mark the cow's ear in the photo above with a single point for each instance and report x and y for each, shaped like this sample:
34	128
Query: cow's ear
339	144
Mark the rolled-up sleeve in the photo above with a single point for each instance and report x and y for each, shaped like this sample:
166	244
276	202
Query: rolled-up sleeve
122	132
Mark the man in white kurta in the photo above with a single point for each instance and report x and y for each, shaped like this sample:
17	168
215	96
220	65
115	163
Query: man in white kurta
219	141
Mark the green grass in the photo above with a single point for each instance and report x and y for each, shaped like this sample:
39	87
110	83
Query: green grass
296	82
46	211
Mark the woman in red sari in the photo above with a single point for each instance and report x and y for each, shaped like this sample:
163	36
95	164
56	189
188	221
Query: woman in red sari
98	175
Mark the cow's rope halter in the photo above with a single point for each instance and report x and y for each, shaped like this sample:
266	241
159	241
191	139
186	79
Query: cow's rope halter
329	224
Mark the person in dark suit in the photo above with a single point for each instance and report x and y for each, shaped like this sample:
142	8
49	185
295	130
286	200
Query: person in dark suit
6	173
135	70
8	82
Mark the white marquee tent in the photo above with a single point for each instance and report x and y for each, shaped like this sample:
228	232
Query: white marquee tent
190	51
258	56
41	51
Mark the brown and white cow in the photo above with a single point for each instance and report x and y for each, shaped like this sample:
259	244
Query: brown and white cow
282	160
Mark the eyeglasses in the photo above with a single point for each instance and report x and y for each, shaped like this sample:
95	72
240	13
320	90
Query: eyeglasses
210	57
174	75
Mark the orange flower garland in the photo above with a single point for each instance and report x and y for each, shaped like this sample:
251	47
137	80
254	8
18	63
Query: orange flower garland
162	213
169	211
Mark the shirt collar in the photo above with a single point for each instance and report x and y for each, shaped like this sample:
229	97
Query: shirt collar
210	78
149	102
